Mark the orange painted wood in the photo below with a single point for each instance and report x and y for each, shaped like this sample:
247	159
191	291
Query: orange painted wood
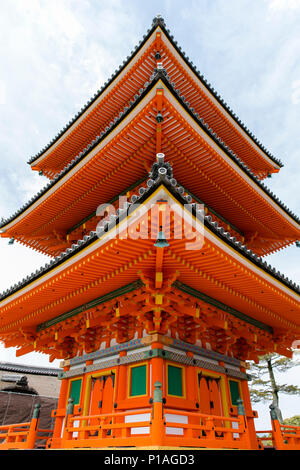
108	394
121	91
45	228
204	394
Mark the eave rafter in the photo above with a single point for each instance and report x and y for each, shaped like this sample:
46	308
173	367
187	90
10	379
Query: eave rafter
237	286
114	102
150	310
200	100
157	48
186	147
118	262
131	146
188	151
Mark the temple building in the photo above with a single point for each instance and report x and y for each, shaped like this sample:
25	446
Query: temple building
156	220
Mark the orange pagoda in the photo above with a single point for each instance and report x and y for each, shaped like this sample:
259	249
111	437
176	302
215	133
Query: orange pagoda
156	220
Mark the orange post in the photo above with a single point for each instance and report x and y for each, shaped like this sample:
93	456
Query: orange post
242	419
159	119
61	404
250	415
33	429
70	411
157	426
277	435
157	367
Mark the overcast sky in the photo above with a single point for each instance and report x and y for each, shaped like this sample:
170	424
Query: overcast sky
55	54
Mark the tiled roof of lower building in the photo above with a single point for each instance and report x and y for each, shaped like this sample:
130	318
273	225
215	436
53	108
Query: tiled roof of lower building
25	369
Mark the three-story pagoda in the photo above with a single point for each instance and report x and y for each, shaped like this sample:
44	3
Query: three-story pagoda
156	219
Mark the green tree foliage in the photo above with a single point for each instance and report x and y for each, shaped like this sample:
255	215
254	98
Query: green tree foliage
264	386
293	421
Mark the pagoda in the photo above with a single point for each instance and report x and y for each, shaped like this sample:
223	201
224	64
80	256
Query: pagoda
156	220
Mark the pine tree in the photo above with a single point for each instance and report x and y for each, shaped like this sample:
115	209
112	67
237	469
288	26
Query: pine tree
293	421
264	387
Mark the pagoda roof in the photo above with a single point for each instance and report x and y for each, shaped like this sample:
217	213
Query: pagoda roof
125	83
228	270
26	369
76	294
134	170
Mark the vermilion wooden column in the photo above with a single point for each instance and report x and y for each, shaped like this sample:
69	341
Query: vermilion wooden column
157	369
121	381
62	403
249	414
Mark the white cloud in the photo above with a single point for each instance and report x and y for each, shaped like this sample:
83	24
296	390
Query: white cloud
295	96
279	5
55	54
2	93
54	19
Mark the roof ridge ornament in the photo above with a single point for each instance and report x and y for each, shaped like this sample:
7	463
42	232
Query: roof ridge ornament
161	168
158	73
158	21
161	171
161	241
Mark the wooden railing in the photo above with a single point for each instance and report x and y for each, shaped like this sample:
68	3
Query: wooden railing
281	436
168	427
128	428
266	438
203	430
23	435
154	426
290	436
284	436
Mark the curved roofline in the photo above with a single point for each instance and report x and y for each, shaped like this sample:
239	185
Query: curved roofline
159	74
177	191
13	367
159	22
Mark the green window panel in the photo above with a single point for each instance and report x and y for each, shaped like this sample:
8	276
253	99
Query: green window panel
234	391
175	386
138	384
75	390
